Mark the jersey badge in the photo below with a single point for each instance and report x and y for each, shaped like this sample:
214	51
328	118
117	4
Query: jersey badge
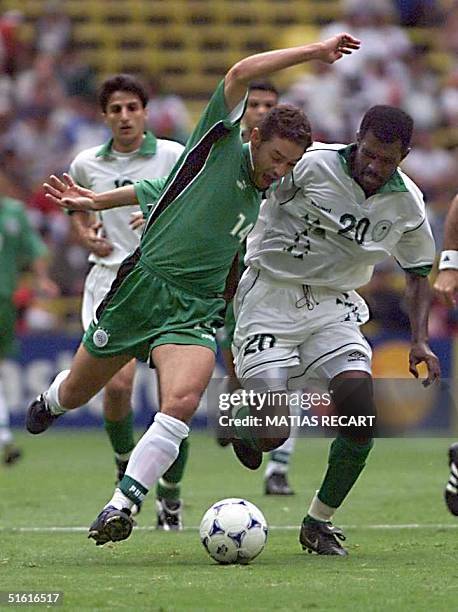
380	230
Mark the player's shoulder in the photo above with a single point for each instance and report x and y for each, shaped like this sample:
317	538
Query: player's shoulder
322	152
169	146
318	158
90	154
324	148
413	194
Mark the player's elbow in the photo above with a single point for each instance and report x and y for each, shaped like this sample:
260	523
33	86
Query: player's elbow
238	74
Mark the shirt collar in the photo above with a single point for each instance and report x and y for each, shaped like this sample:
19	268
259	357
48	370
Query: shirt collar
394	184
147	148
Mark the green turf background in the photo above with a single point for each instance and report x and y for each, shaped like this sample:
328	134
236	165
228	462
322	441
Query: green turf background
66	477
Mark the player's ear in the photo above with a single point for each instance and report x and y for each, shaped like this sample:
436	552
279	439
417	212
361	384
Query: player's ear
255	137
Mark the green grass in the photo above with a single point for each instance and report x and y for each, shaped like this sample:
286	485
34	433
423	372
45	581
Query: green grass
65	478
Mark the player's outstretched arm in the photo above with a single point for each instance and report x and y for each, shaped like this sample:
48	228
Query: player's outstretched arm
418	298
265	64
446	285
67	194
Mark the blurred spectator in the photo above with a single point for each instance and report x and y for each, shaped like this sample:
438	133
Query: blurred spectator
76	76
83	127
53	29
449	99
419	12
373	23
168	116
38	84
321	93
430	166
10	43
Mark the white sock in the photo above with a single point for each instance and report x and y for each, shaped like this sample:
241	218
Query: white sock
320	511
6	437
52	394
151	458
280	457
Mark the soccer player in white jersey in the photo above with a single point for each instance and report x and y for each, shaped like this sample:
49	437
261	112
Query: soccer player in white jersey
131	154
319	235
446	286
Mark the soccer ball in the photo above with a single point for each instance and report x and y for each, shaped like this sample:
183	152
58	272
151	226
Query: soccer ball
233	531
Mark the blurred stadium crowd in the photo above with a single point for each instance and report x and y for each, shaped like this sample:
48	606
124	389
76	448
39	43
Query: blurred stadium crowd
49	112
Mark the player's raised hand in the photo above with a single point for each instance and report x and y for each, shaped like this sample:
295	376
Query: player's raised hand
446	287
67	194
336	47
421	353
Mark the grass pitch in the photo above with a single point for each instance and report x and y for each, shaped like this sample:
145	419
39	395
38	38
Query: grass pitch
401	539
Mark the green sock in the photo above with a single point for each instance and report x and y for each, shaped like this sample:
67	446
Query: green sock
121	434
169	485
245	432
346	462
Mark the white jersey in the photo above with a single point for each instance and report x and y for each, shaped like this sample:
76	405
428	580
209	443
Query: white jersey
318	227
102	169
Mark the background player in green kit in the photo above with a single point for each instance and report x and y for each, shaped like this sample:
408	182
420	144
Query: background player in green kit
131	154
20	247
166	300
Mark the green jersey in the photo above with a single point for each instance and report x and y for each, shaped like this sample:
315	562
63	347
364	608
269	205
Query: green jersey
206	208
20	245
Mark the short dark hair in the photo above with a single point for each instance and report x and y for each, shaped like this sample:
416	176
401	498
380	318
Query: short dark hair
263	86
121	82
289	122
388	124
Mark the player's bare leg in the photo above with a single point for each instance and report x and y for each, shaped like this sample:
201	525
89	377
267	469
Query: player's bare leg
183	373
73	388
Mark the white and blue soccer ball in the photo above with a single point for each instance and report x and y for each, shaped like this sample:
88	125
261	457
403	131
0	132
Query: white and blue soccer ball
233	530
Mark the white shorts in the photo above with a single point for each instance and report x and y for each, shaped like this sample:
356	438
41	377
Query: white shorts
98	283
314	332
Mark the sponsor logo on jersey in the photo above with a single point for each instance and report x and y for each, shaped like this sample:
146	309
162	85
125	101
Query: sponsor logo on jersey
356	356
380	230
100	338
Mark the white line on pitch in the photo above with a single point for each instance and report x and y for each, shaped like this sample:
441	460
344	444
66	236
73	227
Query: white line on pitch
272	527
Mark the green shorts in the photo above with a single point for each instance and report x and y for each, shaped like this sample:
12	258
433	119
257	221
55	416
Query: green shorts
145	311
7	325
227	333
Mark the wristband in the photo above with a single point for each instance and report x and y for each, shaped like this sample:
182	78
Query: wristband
448	260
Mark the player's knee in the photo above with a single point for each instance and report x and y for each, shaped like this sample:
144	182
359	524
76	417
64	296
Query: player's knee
119	390
182	406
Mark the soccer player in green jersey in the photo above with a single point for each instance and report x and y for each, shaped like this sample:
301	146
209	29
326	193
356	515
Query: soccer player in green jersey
446	286
20	247
131	154
166	300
